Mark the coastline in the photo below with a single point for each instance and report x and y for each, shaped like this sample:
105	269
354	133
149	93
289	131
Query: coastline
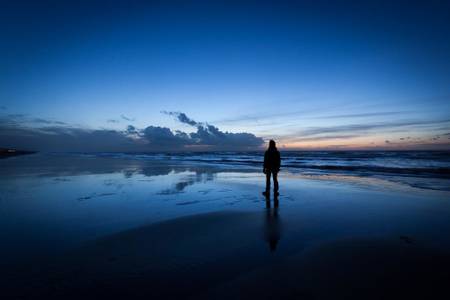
120	227
5	152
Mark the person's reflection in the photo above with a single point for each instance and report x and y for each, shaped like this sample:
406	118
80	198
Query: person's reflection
272	224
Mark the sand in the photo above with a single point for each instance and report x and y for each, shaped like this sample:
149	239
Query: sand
132	230
216	256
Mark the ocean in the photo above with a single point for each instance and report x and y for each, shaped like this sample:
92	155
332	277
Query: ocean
422	169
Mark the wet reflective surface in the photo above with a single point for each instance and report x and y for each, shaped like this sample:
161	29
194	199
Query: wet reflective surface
130	221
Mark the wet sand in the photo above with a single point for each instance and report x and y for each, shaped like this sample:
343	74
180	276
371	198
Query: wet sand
126	229
347	269
216	256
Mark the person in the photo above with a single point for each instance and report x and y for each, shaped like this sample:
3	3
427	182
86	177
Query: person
272	162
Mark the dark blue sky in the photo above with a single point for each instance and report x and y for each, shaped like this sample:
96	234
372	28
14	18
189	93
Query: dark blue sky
309	73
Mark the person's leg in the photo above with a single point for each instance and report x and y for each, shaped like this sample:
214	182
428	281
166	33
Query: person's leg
275	181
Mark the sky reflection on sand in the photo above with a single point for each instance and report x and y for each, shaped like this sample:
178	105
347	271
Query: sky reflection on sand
54	203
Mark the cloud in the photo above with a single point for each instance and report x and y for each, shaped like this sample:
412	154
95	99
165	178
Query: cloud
25	132
163	137
425	128
16	116
127	118
260	116
18	119
306	114
45	121
363	115
131	130
326	137
42	121
3	107
211	136
181	117
362	128
316	112
57	138
47	135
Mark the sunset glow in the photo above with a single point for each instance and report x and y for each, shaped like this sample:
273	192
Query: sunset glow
309	76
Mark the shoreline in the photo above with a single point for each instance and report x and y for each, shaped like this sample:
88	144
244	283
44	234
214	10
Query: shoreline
6	153
90	227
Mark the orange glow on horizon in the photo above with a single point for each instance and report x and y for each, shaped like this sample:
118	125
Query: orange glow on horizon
363	143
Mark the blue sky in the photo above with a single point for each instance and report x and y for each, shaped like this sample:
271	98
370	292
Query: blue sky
309	74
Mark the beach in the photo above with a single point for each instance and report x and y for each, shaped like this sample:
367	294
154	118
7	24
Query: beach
224	150
164	227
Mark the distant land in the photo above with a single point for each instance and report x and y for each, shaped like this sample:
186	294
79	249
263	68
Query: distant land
5	152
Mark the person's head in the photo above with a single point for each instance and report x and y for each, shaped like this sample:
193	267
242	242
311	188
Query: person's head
272	145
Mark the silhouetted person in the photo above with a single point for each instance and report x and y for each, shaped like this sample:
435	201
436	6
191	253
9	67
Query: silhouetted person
272	163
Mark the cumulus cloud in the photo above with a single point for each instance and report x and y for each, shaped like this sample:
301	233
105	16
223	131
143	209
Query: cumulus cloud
163	137
47	135
131	130
210	135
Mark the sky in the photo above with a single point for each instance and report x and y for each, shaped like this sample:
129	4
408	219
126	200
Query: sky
224	75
